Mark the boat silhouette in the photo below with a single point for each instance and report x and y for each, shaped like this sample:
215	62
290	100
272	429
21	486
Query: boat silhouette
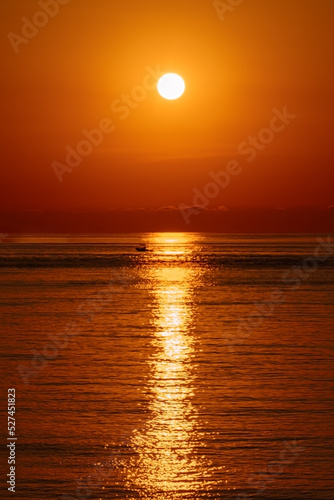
142	249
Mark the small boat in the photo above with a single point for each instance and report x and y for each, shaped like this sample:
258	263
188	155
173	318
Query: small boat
142	249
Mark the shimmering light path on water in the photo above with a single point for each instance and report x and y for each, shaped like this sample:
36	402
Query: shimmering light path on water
154	390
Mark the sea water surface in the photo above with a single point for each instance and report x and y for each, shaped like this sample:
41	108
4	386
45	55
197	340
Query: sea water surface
201	369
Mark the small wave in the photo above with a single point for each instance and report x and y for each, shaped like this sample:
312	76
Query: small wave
115	261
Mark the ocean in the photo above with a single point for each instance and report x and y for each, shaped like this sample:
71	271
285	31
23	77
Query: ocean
200	369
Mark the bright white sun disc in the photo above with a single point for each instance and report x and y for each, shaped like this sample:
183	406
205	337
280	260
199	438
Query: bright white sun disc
171	86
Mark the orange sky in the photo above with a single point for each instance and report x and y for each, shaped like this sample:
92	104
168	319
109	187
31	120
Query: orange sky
65	79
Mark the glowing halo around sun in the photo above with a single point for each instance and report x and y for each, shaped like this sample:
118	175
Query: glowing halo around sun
171	86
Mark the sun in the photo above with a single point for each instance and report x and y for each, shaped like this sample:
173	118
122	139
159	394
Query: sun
171	86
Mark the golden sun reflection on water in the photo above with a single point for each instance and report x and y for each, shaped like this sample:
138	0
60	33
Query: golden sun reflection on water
169	462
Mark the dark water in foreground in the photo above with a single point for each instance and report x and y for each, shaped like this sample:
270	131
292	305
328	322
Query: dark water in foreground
202	369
